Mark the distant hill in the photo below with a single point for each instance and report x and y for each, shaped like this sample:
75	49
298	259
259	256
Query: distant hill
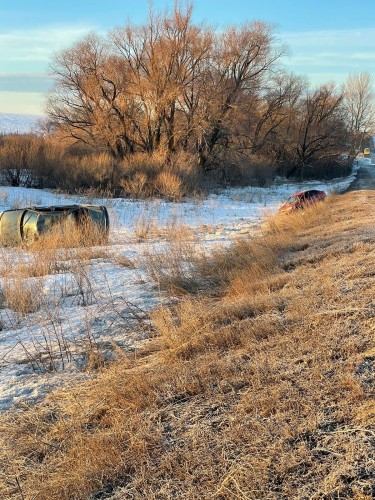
13	122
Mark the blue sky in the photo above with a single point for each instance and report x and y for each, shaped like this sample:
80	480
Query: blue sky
327	39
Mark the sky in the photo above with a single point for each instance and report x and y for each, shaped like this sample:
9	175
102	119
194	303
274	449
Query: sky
327	39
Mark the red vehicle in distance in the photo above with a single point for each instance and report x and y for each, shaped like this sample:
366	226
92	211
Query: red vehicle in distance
302	199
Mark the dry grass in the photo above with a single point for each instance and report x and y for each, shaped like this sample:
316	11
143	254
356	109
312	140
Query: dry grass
123	261
64	249
58	249
261	388
23	297
68	234
173	267
145	227
52	252
20	264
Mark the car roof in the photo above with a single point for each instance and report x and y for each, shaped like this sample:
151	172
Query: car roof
299	193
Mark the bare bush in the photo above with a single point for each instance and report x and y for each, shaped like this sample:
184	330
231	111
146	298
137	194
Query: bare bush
145	175
145	227
170	185
18	157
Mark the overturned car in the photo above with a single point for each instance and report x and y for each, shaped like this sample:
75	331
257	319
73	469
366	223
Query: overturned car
26	225
302	199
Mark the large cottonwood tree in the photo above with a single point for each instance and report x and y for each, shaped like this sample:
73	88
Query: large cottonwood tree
173	85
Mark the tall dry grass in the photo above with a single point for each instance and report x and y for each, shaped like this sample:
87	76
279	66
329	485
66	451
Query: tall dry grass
28	160
22	297
174	177
261	388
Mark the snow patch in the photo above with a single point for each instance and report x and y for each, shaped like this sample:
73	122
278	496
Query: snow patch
18	123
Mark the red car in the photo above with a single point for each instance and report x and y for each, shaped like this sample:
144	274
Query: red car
302	199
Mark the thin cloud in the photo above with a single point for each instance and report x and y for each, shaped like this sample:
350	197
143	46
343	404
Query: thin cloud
25	56
331	54
38	44
335	61
351	38
25	82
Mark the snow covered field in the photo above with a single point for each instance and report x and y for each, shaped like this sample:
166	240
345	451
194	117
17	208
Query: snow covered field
92	306
17	123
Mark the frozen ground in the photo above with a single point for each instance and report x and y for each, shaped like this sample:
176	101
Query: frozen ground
93	306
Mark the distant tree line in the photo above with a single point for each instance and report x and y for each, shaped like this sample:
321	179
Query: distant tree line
172	91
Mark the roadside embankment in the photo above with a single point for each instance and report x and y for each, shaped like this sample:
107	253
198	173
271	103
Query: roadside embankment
259	382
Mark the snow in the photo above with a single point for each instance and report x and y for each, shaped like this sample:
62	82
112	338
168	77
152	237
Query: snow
18	123
96	304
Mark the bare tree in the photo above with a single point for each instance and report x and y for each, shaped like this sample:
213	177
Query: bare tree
164	61
266	117
241	60
74	102
319	128
360	109
167	83
171	85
